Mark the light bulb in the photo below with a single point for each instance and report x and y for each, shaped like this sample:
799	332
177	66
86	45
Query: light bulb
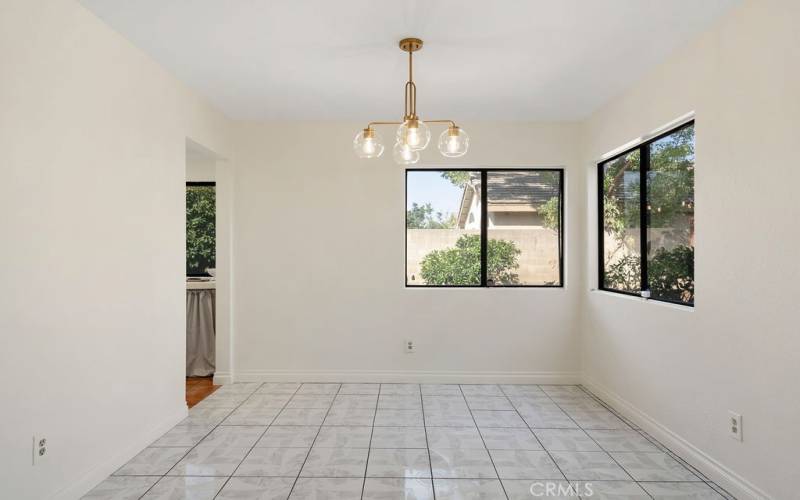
412	139
404	155
368	144
454	142
414	133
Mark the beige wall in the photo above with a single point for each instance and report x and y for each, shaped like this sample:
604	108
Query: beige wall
330	302
682	370
200	166
92	319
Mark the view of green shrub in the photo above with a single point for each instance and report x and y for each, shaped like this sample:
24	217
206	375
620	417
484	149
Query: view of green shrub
671	274
461	265
551	213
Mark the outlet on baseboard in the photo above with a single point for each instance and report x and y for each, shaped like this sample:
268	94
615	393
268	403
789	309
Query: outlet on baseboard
410	347
735	426
39	449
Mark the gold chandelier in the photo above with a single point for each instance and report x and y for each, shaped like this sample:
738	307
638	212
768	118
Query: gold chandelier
413	135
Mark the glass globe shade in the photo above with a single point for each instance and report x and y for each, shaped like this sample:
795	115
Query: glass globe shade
404	155
414	133
368	144
454	142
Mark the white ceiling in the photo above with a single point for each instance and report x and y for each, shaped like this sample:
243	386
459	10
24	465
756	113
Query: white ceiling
338	59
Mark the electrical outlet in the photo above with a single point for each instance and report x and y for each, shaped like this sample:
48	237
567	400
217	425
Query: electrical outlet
411	347
39	449
735	426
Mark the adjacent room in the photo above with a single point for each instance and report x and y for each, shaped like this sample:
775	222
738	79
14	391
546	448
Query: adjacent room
444	249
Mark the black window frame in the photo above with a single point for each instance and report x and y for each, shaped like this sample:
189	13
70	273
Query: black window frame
644	169
484	172
204	184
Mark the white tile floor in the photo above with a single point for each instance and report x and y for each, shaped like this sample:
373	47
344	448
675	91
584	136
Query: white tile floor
404	441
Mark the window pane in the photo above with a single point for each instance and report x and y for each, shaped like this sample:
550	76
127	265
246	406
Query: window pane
524	225
621	224
200	229
443	225
670	228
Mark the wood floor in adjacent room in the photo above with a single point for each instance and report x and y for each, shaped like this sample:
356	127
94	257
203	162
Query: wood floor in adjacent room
198	388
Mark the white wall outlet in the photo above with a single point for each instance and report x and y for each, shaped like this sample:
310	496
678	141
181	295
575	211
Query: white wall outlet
735	426
39	449
410	347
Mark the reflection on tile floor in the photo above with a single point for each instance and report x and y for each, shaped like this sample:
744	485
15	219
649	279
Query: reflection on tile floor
407	441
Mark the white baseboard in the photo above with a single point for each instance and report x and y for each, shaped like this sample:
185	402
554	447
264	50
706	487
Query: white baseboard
737	485
221	378
106	467
410	376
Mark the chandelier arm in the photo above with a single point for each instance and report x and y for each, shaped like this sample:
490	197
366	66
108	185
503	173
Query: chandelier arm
451	122
370	124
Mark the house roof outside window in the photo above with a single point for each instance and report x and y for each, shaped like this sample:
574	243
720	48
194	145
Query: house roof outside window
509	192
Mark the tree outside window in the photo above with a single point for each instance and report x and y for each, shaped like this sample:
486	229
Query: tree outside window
200	228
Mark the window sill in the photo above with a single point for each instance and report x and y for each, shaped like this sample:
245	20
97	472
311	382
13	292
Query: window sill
634	298
412	287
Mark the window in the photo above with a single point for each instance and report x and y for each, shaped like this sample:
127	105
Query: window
646	213
200	228
461	235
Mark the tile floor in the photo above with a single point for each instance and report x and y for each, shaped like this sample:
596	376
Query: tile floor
404	441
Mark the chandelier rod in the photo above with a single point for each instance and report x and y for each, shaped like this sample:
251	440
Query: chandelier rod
410	45
410	107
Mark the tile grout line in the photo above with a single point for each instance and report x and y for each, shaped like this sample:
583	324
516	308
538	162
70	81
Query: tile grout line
296	479
634	427
530	429
595	442
427	443
259	437
491	459
213	428
369	446
663	449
